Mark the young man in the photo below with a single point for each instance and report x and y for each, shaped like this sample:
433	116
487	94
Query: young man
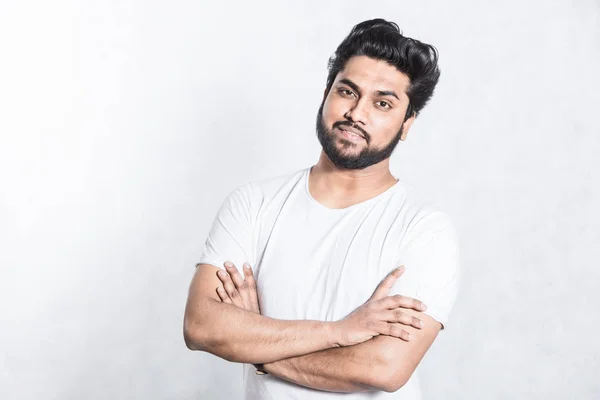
321	310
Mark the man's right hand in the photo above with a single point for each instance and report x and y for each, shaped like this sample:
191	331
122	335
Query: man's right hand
380	315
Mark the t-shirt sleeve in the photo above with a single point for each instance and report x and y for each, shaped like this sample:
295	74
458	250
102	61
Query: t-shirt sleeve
230	237
430	253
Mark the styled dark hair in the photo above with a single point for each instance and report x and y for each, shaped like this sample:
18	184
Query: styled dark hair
382	40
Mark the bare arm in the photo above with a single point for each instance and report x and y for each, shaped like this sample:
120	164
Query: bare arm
346	369
235	333
238	335
382	363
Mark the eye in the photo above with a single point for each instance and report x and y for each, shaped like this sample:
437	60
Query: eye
383	104
346	92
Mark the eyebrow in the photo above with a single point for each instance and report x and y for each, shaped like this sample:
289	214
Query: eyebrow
387	93
354	87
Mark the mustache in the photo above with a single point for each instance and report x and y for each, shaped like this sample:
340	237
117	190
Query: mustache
339	124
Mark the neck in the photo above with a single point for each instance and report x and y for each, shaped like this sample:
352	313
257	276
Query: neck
340	188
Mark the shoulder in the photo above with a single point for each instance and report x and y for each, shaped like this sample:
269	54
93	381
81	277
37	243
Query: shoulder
268	187
253	194
434	223
419	216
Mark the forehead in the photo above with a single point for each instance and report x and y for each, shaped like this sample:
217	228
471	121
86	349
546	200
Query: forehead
372	75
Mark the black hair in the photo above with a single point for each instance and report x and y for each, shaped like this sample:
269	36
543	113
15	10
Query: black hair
382	40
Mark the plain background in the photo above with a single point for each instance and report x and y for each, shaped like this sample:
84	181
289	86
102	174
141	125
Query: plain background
125	123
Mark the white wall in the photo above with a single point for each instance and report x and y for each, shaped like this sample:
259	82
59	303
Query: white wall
124	124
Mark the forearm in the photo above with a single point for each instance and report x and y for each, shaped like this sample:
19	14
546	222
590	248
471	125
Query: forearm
237	335
357	368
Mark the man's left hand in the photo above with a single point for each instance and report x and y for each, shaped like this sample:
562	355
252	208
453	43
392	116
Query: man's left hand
237	290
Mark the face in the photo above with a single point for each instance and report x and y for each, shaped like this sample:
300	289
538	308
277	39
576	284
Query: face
360	121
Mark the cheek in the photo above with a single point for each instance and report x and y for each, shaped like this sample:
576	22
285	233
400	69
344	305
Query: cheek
383	130
333	110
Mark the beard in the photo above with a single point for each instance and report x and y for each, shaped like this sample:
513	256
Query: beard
364	159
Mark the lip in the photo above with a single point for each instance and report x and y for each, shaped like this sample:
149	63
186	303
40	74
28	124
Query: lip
351	130
350	134
351	137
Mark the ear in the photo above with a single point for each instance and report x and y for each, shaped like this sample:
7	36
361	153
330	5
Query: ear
406	127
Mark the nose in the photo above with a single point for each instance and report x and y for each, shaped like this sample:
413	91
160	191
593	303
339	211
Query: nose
358	112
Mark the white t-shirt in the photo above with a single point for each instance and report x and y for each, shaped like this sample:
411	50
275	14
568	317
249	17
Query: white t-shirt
313	262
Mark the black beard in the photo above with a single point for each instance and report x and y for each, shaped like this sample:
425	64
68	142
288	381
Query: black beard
364	159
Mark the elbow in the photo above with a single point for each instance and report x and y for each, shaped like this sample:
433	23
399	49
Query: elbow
191	339
390	378
199	338
194	335
393	385
196	328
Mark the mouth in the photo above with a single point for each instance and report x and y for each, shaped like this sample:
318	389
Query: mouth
350	134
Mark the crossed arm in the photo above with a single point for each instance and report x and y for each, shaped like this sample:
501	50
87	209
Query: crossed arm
382	363
307	353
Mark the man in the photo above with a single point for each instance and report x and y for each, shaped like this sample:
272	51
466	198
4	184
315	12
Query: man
318	308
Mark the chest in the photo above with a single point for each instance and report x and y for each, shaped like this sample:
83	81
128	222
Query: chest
323	267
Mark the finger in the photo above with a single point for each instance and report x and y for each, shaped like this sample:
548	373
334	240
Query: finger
230	288
252	289
398	316
386	284
238	281
397	300
392	329
396	330
223	295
